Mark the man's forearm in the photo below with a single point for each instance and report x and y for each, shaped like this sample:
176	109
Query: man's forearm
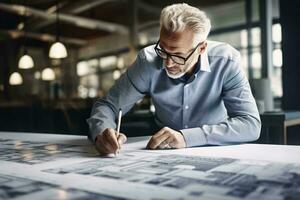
102	117
233	130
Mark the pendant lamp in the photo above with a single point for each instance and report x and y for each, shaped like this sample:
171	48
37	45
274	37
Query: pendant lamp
15	79
58	49
48	74
26	61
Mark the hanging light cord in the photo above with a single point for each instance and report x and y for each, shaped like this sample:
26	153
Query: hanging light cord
57	22
25	28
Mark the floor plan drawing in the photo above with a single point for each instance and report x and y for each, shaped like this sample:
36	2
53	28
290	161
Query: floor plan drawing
29	152
19	188
218	178
137	174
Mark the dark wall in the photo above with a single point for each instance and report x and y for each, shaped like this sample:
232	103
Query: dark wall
64	120
44	120
289	16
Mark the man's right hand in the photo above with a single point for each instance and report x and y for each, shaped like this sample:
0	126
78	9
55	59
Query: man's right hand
107	142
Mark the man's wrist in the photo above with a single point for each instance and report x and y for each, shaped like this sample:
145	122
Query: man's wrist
183	137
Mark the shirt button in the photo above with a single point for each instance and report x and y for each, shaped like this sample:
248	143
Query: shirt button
187	85
186	126
186	107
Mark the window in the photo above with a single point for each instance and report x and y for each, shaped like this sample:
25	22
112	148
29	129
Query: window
231	19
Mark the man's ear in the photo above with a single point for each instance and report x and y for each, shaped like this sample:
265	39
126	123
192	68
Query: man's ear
202	47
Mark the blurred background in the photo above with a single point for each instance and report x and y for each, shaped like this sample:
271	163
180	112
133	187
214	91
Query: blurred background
58	57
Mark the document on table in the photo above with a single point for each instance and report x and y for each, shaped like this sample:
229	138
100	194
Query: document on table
60	168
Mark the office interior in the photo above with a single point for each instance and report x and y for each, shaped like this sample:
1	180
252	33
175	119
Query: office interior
43	92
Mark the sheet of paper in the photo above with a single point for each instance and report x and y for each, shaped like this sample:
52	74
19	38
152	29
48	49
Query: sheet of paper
55	166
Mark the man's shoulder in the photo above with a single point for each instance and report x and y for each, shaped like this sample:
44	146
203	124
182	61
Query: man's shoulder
147	59
148	53
222	50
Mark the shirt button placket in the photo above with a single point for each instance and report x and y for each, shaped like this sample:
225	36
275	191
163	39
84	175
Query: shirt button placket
185	106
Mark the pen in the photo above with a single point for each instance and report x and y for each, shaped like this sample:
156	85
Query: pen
119	125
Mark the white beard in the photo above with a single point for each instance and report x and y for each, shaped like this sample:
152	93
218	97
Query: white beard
173	76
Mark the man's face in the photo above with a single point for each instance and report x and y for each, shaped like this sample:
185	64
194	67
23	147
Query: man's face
181	44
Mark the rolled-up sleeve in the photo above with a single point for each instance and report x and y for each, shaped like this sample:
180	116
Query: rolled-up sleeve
131	87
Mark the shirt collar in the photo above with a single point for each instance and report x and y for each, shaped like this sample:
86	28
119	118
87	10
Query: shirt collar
204	62
201	65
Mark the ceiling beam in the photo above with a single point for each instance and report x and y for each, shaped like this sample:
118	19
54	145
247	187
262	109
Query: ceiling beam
82	6
75	8
71	19
43	37
149	8
148	25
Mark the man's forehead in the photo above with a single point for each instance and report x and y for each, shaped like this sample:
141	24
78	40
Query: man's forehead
168	45
174	40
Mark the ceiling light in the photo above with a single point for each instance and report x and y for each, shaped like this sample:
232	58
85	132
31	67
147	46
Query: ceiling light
26	62
48	74
58	50
15	79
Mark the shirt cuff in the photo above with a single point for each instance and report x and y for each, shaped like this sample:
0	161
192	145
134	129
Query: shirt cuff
95	133
97	128
194	137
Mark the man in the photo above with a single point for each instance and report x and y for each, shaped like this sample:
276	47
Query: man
200	94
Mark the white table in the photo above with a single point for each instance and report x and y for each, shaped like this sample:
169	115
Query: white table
43	166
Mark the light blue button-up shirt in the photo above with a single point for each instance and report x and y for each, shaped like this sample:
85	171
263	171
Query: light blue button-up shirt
213	106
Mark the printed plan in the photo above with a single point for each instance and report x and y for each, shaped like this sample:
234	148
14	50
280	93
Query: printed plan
64	169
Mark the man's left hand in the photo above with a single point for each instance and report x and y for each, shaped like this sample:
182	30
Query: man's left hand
166	138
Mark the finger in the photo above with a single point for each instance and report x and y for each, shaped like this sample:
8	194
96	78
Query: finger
160	132
104	144
176	140
157	141
105	135
157	134
111	138
150	142
101	151
101	146
122	139
161	140
166	143
171	141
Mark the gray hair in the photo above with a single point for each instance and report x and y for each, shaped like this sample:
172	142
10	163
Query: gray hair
177	17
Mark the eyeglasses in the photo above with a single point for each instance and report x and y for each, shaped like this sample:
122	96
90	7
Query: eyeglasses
175	58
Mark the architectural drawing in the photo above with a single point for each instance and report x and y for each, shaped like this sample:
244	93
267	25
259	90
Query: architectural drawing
29	152
212	178
184	177
12	187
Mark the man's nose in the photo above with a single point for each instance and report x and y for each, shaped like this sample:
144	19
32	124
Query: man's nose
169	61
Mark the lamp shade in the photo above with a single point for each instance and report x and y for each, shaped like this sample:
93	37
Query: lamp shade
58	50
48	74
15	79
25	62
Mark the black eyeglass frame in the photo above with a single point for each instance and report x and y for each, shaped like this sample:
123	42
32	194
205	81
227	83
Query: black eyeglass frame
173	55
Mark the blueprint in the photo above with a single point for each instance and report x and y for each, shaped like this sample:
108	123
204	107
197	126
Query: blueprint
49	170
12	187
29	152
